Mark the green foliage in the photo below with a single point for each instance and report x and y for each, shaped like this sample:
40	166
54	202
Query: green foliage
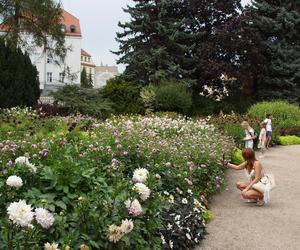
85	101
40	18
84	176
124	95
278	25
174	97
203	106
280	110
289	140
19	84
148	96
237	157
85	80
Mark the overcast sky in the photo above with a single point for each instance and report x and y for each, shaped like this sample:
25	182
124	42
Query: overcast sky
99	24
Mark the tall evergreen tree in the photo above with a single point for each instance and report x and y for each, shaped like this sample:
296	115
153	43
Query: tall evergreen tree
157	43
19	83
40	18
278	22
85	80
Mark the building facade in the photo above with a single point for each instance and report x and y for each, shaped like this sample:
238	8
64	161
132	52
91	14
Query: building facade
57	72
88	64
105	73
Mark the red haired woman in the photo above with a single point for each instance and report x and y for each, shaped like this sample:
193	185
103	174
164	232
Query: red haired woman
254	172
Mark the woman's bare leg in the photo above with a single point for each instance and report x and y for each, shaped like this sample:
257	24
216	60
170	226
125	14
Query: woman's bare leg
252	195
242	185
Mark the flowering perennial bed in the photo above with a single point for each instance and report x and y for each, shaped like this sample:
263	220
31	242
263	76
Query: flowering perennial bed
125	183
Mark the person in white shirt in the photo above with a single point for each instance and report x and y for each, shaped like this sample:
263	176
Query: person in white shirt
249	135
268	122
262	139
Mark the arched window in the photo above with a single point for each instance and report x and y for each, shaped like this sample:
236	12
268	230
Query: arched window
72	28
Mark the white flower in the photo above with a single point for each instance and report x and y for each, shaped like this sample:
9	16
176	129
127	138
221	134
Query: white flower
143	190
134	207
52	246
22	160
32	168
140	175
44	218
171	199
14	181
171	244
177	217
20	213
184	201
114	233
188	236
127	226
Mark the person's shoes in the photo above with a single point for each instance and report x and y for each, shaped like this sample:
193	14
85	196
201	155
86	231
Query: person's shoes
251	201
260	203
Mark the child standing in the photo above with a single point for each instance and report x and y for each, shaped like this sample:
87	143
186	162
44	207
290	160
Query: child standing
249	135
262	139
268	122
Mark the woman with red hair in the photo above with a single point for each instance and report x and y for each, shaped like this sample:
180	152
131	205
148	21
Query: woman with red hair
254	172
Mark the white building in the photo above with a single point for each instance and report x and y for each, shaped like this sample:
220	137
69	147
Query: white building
105	73
56	72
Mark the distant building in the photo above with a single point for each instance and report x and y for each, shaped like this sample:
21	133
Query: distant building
56	72
104	73
88	64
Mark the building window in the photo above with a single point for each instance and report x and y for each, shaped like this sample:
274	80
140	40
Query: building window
63	28
85	59
82	58
49	59
49	77
72	28
62	59
61	77
89	59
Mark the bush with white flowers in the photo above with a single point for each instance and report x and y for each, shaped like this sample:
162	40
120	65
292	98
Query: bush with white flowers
128	182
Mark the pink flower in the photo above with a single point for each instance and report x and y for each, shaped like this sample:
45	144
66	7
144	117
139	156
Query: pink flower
157	176
189	182
190	165
179	191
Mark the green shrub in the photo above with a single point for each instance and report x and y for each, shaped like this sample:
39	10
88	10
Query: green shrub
280	110
173	97
19	82
124	95
237	157
289	140
203	106
84	101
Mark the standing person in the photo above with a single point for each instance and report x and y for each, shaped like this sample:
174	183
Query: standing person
262	139
249	135
268	122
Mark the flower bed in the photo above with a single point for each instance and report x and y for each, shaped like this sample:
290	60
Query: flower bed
126	183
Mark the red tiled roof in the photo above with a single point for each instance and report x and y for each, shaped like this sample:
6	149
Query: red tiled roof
84	53
69	20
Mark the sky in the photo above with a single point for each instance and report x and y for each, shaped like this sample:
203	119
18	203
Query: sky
99	24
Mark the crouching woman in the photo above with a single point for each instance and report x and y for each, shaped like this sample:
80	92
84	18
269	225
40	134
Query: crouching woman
254	172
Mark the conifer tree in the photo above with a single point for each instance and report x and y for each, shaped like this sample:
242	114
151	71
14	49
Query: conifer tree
156	44
19	83
279	25
85	80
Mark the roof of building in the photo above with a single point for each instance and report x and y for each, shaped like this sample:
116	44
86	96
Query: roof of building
112	69
70	22
84	53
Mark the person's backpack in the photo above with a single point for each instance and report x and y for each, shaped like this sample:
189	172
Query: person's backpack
255	140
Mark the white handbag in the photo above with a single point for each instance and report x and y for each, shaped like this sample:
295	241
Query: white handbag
266	182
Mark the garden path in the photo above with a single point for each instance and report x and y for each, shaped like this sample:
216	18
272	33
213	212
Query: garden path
240	226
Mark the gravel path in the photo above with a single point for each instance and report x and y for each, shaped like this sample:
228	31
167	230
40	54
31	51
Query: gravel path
240	226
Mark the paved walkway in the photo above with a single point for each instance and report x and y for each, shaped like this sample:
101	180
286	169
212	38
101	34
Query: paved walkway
240	226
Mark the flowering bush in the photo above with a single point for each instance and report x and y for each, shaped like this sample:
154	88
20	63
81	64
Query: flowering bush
76	182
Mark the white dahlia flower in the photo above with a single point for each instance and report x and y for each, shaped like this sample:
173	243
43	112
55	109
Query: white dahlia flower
114	233
22	160
126	226
134	207
52	246
142	190
20	213
44	218
140	175
14	181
